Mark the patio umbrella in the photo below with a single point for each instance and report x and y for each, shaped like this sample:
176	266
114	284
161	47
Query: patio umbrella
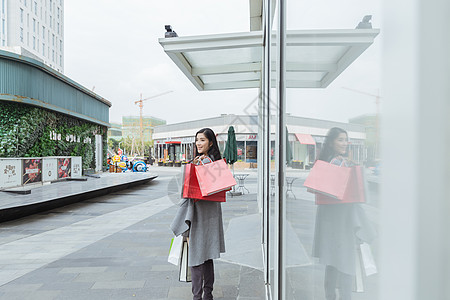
230	152
289	155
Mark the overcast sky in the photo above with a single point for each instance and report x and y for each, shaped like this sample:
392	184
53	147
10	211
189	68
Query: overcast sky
112	45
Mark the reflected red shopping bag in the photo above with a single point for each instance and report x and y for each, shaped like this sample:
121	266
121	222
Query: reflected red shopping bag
334	184
214	177
191	189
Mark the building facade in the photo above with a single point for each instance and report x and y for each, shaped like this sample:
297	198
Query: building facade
131	127
115	131
174	143
44	113
34	28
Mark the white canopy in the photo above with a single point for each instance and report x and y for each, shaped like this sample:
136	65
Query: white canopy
233	61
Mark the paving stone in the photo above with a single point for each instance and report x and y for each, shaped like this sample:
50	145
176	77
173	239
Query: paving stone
30	287
84	270
67	286
100	277
180	292
118	285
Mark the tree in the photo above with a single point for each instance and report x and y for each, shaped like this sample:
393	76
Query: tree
113	145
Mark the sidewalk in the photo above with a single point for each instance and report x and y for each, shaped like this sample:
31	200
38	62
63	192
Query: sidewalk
47	196
113	247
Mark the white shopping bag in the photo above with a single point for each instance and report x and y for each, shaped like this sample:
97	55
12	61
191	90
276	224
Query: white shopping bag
185	271
175	250
369	265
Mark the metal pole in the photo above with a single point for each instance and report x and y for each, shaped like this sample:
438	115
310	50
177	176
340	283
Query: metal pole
141	125
266	135
280	209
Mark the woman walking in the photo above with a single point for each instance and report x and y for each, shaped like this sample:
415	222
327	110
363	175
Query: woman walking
340	228
201	222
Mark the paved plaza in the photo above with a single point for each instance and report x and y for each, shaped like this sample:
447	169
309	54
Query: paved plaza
115	246
112	247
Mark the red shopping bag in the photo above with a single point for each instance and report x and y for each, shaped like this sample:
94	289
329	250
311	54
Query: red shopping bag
191	189
214	177
333	184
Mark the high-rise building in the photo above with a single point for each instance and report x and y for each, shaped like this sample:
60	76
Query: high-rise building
34	28
131	127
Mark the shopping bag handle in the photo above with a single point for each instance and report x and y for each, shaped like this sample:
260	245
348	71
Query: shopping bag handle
206	157
342	162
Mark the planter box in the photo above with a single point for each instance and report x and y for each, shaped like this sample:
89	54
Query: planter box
297	165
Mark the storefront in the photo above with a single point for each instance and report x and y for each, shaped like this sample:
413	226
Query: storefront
174	143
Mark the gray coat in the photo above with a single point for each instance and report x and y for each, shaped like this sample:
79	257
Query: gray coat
202	222
340	228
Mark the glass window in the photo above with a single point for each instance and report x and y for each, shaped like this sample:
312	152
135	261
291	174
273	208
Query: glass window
35	8
34	43
43	49
251	151
21	15
21	34
240	151
34	25
320	236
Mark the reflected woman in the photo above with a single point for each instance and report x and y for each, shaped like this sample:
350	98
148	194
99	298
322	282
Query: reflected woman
340	228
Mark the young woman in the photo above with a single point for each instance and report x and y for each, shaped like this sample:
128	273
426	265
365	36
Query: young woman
339	227
201	222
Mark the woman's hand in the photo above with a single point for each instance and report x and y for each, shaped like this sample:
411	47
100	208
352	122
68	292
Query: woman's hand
196	160
199	158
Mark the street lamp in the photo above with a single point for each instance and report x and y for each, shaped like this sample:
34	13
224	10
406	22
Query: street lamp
377	117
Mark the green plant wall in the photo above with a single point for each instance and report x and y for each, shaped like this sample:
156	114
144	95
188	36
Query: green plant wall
27	131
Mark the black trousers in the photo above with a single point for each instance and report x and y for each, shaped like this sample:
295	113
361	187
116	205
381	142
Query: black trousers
333	279
202	277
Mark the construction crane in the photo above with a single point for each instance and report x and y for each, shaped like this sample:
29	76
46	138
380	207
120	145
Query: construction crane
141	106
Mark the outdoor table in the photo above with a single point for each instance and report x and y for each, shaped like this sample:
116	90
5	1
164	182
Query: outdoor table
289	181
272	185
241	182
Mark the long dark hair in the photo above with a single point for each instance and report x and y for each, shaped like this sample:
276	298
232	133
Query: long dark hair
213	151
327	153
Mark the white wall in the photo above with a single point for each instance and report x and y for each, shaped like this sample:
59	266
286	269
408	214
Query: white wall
415	243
